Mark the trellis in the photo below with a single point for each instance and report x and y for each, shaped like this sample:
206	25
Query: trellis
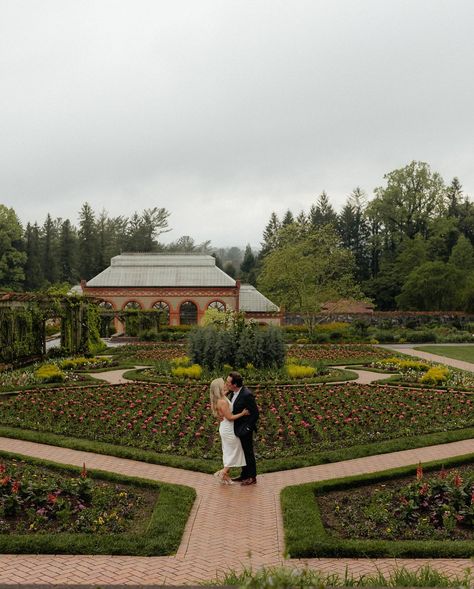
23	318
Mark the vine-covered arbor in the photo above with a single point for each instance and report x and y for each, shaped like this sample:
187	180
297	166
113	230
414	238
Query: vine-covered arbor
23	318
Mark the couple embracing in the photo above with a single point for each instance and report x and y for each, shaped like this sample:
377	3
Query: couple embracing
235	406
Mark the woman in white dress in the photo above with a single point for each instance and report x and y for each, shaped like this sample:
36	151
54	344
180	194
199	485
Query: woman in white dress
232	452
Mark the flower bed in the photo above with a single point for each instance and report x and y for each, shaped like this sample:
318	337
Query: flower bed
395	513
149	352
426	373
338	353
295	420
37	500
439	506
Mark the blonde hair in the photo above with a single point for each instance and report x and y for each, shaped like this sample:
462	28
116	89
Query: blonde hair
216	393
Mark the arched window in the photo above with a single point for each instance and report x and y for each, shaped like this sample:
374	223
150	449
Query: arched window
133	305
216	305
165	308
188	313
106	305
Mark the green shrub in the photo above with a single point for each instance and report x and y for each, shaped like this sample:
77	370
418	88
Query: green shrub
421	336
237	343
299	371
181	361
435	375
49	373
193	371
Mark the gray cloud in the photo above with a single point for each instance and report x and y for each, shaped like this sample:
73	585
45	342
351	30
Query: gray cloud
223	111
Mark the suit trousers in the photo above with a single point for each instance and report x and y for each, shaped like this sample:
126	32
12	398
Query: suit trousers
250	470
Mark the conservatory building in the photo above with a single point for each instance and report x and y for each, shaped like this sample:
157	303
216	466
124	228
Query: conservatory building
184	286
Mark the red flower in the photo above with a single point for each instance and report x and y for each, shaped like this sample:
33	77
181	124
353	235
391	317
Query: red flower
83	471
16	487
52	498
419	472
457	481
2	468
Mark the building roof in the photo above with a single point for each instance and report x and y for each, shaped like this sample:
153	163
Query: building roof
252	300
161	270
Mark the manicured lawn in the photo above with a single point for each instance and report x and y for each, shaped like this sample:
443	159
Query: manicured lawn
394	513
54	509
295	420
464	353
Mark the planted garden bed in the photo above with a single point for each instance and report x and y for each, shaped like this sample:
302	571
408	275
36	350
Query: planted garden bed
48	508
295	421
402	512
338	353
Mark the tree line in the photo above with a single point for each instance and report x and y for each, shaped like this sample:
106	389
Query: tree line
408	247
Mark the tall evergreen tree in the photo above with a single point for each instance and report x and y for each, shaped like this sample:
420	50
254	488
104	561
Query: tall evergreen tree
88	243
353	228
322	213
454	197
248	268
34	277
49	250
68	271
270	235
288	219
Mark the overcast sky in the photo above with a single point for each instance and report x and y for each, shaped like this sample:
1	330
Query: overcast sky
223	111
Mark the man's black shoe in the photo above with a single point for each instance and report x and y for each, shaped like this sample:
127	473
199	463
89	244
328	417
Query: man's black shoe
250	481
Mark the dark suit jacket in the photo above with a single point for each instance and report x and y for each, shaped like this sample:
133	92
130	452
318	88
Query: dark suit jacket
248	423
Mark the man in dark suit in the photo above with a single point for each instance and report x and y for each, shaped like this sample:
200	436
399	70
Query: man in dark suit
242	398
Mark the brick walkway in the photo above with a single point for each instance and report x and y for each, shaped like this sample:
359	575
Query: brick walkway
210	543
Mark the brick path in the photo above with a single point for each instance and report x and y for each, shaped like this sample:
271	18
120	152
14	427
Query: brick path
210	544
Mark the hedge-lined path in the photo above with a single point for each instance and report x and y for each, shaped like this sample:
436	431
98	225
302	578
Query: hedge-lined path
230	527
116	376
410	351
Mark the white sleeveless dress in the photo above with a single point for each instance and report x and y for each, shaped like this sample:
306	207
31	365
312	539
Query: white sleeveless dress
232	452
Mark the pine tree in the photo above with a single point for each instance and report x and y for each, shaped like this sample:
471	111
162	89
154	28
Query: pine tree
270	235
49	250
288	219
454	196
88	243
353	228
248	267
322	213
68	271
34	277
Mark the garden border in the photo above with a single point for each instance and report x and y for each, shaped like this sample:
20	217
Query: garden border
163	534
306	536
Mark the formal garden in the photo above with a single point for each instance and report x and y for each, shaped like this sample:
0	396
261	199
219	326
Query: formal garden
311	413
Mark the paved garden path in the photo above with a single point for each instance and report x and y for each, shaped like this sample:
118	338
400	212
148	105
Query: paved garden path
116	376
230	527
409	350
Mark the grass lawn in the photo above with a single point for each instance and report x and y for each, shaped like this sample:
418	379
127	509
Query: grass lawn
464	353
